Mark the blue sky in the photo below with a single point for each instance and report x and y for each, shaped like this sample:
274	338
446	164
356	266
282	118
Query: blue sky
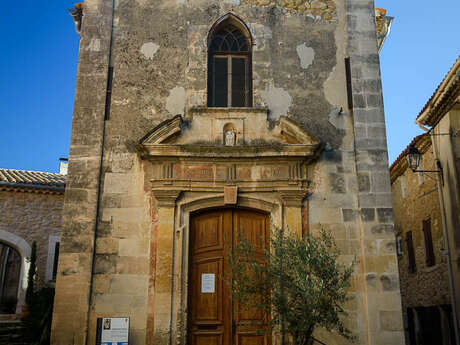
38	64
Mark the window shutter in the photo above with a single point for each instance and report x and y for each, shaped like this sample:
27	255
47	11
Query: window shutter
429	251
410	252
399	246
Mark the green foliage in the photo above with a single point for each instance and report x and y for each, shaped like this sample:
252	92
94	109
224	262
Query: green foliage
31	274
40	306
38	321
299	283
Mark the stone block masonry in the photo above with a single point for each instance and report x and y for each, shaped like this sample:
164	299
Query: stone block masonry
378	266
34	217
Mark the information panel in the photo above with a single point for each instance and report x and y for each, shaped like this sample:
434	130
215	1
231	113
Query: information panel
208	283
113	331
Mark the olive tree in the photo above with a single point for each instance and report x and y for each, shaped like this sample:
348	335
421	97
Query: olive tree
298	283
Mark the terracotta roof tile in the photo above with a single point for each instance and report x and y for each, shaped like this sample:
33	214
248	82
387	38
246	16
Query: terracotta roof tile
31	179
403	154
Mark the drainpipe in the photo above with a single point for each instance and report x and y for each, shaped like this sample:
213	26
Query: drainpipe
446	241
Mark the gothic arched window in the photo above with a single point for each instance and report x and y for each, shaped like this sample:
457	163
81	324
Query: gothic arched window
229	67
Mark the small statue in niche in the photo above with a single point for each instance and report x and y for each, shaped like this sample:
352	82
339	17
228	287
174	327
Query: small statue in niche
230	137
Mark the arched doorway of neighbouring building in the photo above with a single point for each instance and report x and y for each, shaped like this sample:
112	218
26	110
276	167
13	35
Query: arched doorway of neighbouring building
10	271
14	264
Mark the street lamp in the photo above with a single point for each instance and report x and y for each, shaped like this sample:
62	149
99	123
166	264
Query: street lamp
413	157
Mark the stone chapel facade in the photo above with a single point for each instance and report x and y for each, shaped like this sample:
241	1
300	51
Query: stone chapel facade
194	117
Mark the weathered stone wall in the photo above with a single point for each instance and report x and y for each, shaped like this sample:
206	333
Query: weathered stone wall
378	295
159	58
33	216
428	286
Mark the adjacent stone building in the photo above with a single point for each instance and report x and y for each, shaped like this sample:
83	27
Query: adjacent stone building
31	206
195	118
423	267
440	117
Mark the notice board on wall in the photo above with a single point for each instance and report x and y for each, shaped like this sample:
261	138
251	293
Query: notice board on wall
112	331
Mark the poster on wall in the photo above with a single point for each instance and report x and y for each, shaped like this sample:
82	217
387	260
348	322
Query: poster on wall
112	331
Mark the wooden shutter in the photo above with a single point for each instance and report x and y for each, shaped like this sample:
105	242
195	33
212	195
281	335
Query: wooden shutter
410	252
429	252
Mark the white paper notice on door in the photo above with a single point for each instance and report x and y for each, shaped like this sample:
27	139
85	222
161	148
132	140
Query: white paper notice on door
208	283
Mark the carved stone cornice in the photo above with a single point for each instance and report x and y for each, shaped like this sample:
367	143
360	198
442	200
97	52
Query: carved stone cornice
293	198
193	155
166	197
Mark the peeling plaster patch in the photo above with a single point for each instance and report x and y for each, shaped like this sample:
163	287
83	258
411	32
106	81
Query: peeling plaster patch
149	49
233	2
337	118
334	87
261	34
306	55
175	103
124	101
278	101
94	45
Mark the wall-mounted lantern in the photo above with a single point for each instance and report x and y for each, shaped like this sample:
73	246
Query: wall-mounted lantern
414	156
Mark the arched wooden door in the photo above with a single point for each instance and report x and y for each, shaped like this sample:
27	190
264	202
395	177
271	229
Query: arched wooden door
214	318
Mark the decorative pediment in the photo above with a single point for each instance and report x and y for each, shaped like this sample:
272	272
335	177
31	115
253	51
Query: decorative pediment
223	150
228	133
164	131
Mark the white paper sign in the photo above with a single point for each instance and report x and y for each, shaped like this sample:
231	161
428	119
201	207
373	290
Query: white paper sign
115	331
208	283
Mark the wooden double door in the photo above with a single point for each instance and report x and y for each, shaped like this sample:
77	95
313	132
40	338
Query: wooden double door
214	317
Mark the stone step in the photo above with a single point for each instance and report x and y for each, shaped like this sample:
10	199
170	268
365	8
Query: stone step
11	333
8	317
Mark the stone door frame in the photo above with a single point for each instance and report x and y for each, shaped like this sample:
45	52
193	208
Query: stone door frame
283	211
265	169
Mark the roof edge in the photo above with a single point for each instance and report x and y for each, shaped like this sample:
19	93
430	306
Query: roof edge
422	142
22	186
448	90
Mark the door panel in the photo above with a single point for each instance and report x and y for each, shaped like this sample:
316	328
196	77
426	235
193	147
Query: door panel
216	319
207	234
209	304
251	339
207	339
254	228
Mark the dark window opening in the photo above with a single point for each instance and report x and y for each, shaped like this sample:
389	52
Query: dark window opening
430	325
229	69
56	259
429	251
